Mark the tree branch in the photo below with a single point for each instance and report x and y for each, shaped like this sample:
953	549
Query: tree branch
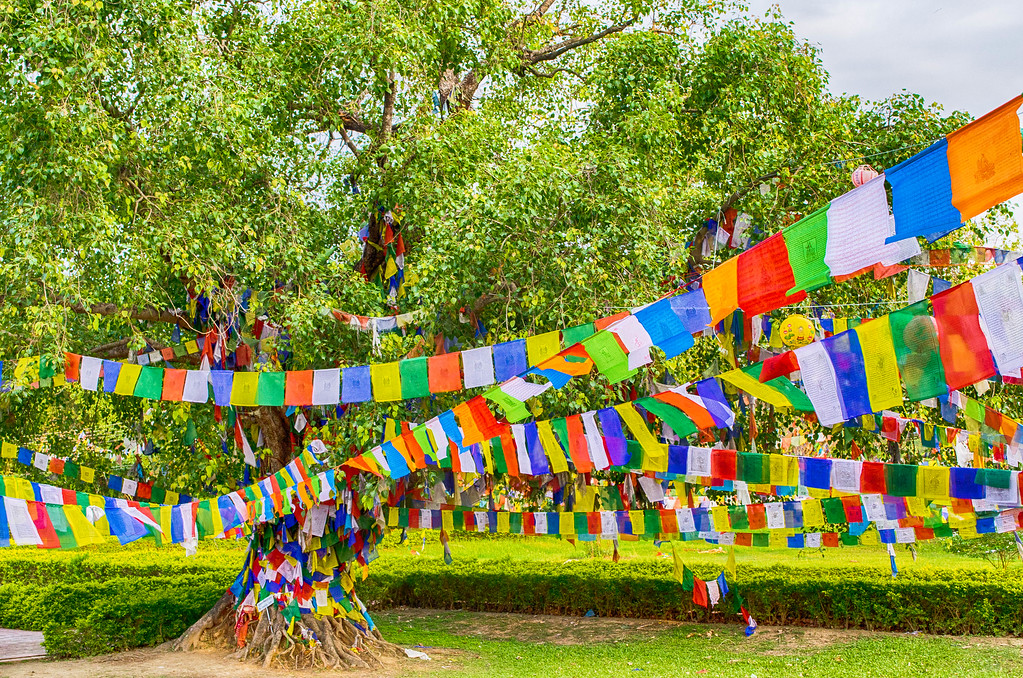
145	313
348	142
552	52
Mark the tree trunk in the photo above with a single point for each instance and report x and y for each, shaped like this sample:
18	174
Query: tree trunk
277	434
894	452
265	637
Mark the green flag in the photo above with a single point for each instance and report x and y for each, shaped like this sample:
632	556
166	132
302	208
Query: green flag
150	383
270	388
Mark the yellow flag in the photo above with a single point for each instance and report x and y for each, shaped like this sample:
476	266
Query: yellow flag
244	388
719	514
655	453
83	531
488	460
745	382
447	521
883	385
126	379
638	522
678	564
540	347
812	513
386	378
932	482
784	470
559	463
730	563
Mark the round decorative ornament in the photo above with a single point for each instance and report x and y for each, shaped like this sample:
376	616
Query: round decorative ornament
796	331
863	174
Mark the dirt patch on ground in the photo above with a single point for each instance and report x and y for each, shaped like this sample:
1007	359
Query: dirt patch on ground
529	628
162	663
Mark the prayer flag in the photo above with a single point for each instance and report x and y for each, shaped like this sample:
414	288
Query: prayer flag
806	243
271	388
608	355
510	359
961	342
858	226
478	364
820	382
127	377
914	334
445	373
765	276
922	194
326	386
244	389
883	388
149	384
386	379
848	360
540	347
693	310
173	385
999	297
985	160
197	386
700	596
720	288
414	378
356	384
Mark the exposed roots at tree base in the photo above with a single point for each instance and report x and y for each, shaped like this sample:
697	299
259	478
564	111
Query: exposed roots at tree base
338	643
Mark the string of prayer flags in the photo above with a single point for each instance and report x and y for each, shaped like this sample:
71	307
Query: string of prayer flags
894	523
960	176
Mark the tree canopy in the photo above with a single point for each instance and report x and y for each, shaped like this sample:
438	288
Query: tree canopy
554	162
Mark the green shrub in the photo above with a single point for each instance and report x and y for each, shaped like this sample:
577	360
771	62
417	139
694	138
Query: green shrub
92	602
127	616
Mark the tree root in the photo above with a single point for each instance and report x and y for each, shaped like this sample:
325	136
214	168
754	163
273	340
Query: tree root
192	637
326	642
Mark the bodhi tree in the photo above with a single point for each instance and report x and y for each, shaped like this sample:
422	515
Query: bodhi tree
173	170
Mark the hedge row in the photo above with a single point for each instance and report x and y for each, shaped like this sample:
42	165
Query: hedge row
89	605
80	619
44	566
945	600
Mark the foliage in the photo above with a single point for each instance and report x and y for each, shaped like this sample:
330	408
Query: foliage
133	613
547	178
97	600
997	549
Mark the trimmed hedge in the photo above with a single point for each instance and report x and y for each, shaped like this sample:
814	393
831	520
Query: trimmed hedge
80	619
945	600
131	613
92	603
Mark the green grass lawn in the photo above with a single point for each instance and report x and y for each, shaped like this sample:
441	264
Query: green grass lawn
507	547
469	645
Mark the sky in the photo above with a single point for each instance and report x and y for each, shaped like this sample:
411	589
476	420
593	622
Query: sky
963	54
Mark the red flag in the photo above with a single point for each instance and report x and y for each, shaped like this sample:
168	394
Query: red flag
700	592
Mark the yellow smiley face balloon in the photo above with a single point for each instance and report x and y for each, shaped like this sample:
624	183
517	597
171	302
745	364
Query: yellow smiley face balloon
796	331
